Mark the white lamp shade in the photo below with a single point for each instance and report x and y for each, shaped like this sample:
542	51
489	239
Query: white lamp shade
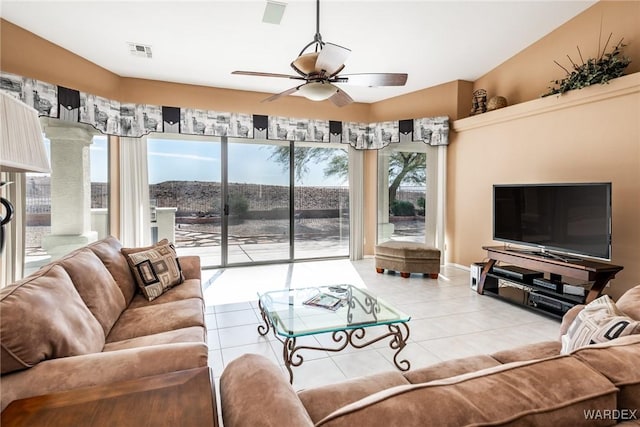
317	91
21	144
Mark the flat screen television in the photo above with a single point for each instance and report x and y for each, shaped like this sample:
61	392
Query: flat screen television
571	218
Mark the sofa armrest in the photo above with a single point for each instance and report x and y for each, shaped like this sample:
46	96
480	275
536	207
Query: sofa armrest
93	369
569	317
190	266
255	392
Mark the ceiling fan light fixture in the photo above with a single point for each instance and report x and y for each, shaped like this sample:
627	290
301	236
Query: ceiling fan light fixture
305	64
318	91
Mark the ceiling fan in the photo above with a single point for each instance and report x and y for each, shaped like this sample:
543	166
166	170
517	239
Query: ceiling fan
319	70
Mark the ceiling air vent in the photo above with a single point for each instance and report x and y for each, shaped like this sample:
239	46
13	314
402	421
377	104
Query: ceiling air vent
273	12
141	50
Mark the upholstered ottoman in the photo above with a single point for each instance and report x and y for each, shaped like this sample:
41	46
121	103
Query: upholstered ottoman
407	258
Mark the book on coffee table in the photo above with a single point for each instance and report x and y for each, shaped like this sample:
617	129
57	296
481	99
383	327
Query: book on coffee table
325	300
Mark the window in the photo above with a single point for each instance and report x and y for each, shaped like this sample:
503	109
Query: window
402	192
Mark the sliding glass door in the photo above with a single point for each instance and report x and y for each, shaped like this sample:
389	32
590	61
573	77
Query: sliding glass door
185	192
238	202
321	194
258	200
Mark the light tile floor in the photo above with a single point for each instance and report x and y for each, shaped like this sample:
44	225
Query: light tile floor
448	319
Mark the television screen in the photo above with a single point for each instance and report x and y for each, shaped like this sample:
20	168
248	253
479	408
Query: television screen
568	218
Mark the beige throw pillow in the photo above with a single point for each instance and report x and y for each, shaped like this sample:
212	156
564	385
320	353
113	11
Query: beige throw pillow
599	321
156	269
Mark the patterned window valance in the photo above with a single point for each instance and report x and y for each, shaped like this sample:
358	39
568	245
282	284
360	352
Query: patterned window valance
135	120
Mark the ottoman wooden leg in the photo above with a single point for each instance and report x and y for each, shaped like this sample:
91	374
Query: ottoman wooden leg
379	270
433	275
404	274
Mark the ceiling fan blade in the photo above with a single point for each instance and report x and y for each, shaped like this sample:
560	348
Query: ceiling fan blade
331	59
341	98
260	74
373	79
281	94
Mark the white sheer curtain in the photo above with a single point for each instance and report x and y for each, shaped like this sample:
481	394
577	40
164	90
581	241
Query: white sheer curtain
135	219
356	204
436	197
12	257
441	211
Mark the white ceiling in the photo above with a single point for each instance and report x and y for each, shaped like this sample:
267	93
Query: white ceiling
202	42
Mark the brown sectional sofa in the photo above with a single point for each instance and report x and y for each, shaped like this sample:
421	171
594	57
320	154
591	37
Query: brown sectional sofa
532	385
79	321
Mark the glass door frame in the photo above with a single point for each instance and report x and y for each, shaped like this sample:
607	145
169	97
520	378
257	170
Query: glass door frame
225	194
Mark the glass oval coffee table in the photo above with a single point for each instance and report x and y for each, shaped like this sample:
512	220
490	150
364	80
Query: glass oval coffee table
344	311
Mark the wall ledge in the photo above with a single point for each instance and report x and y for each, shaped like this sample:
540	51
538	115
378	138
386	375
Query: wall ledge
621	86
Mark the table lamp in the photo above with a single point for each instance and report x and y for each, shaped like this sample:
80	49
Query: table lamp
21	147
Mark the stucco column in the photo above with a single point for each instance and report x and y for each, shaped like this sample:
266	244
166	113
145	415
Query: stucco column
70	188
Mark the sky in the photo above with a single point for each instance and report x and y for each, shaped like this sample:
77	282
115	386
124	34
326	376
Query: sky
199	160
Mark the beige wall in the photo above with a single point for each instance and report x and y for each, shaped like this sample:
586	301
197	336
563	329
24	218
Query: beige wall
597	140
441	100
28	55
528	74
591	135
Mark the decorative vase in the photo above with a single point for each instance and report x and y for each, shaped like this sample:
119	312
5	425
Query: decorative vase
496	102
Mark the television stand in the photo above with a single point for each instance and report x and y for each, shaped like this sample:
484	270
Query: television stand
599	273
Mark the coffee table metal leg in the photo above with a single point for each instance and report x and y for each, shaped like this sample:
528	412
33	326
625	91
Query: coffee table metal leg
288	350
263	329
354	337
399	342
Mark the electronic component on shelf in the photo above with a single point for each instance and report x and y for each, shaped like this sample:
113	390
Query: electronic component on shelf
577	290
548	284
515	272
547	302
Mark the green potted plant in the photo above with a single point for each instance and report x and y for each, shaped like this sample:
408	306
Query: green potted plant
600	70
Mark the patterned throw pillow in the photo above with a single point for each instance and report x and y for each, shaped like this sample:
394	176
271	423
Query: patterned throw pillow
599	321
156	270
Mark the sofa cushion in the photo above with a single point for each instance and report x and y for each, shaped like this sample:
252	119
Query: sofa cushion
321	401
619	361
450	368
156	270
248	384
68	373
191	334
96	286
190	288
539	350
44	317
546	392
108	250
599	321
154	319
629	303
